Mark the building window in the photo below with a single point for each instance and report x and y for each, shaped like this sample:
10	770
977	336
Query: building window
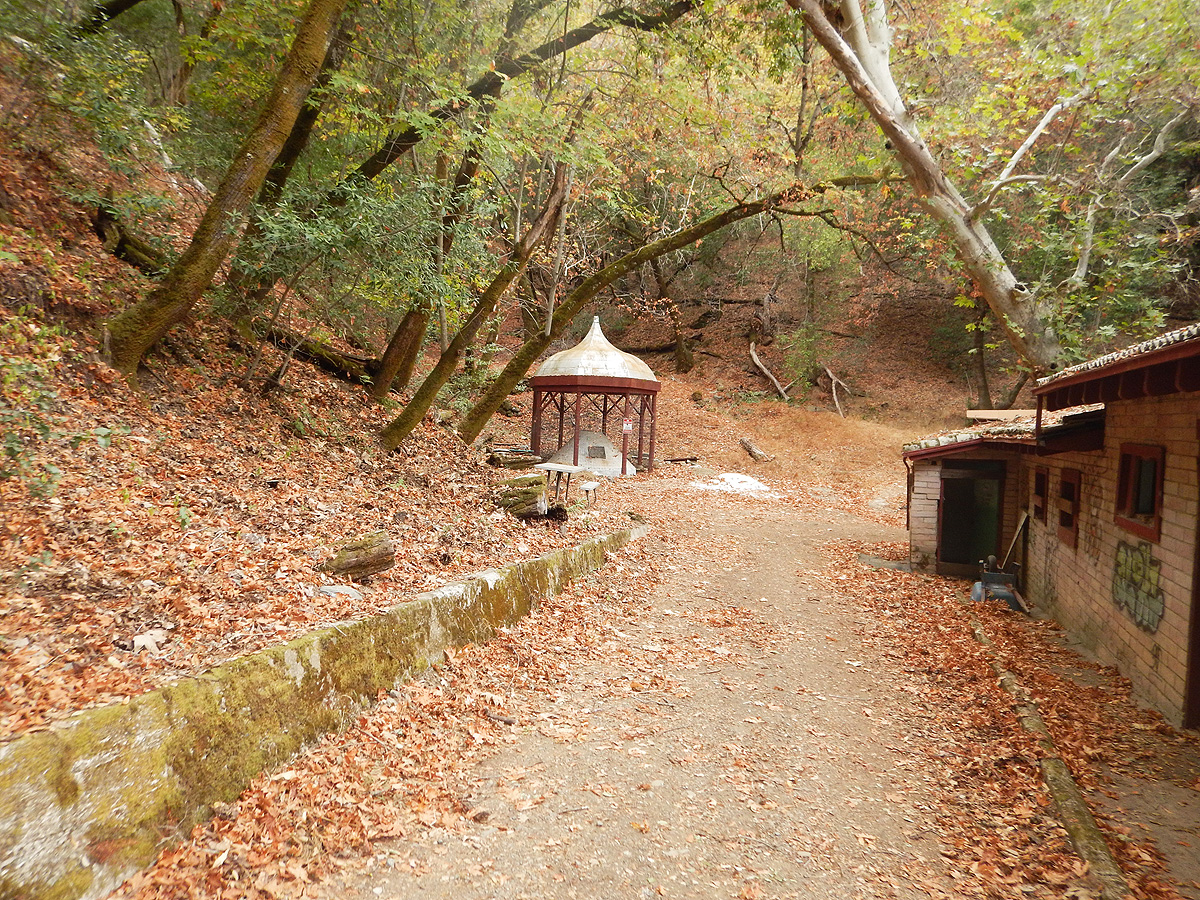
1069	483
1139	490
1041	492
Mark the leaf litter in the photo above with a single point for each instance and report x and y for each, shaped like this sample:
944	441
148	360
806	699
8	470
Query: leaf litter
190	534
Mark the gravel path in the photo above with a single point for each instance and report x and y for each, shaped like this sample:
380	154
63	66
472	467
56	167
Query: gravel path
741	740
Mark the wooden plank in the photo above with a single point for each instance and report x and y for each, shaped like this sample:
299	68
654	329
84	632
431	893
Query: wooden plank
998	415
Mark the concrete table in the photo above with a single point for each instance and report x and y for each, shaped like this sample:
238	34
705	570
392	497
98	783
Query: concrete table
560	469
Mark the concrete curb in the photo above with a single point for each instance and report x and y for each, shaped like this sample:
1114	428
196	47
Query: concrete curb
91	800
1073	811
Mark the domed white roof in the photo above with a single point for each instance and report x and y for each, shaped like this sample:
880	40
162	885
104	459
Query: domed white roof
595	357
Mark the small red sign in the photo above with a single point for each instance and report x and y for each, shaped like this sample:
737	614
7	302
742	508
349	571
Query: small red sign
627	426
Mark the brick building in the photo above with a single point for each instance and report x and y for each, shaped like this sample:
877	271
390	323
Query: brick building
1097	498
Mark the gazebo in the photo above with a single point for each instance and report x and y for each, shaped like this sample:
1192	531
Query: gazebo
611	382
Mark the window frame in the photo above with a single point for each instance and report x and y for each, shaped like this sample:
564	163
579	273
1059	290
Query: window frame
1145	525
1040	499
1068	506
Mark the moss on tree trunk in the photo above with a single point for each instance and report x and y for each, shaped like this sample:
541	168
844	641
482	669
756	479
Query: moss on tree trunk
138	328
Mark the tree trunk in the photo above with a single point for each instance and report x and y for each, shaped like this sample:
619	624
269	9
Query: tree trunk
102	14
1011	397
483	410
175	92
400	357
138	328
505	67
401	427
860	50
985	391
277	176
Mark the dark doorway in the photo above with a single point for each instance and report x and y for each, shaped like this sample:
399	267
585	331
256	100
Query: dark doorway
1191	682
969	518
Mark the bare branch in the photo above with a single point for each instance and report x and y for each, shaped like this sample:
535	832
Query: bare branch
1088	238
1004	179
1159	148
981	208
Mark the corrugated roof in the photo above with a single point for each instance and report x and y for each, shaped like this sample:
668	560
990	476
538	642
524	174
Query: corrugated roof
595	357
1171	338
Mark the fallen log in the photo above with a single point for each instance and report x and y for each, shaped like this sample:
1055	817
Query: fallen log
347	366
762	368
367	556
667	347
507	459
756	454
121	242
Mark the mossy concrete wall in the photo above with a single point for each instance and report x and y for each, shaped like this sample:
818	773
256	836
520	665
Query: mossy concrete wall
91	800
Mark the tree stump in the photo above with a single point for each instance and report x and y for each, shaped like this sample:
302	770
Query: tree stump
367	556
524	496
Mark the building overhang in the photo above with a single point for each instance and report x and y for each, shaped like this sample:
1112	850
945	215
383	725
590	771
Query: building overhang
1000	448
1171	367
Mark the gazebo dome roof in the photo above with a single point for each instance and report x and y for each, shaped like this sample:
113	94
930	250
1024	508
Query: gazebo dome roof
595	362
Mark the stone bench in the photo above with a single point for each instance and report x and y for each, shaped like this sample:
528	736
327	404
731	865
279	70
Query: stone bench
589	491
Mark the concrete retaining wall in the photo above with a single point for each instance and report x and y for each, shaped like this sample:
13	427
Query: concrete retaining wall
89	801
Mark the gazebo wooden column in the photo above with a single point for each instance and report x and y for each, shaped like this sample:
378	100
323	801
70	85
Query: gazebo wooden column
632	402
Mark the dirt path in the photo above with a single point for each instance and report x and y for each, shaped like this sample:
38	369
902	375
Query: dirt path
737	740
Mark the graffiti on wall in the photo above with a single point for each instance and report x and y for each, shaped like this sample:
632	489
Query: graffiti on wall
1136	584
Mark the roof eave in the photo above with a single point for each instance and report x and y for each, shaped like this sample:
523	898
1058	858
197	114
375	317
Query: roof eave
1012	444
1169	370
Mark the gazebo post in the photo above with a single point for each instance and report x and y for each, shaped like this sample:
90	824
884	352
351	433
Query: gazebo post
535	432
642	430
562	411
604	416
578	401
653	424
625	440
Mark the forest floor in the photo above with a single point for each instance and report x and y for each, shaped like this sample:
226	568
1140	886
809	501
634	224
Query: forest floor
735	706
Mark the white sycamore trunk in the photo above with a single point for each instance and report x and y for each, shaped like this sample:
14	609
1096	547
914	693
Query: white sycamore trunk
860	50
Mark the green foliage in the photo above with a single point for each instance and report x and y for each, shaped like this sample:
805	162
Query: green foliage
802	354
99	79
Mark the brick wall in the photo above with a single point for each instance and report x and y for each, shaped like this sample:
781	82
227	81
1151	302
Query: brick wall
926	495
1081	587
923	515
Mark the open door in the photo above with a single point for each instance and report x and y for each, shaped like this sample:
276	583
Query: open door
969	516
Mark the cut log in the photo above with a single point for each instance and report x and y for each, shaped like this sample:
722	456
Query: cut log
775	381
755	453
367	556
509	459
524	497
